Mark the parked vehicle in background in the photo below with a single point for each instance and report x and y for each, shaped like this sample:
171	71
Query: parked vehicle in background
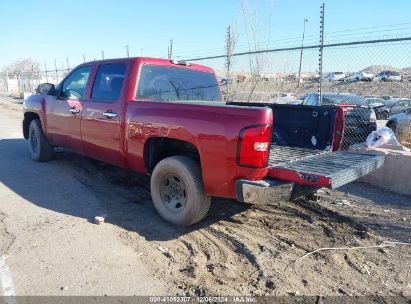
167	119
334	76
225	81
375	102
291	77
380	106
400	106
361	76
401	125
388	76
408	78
387	97
347	78
360	118
284	98
313	78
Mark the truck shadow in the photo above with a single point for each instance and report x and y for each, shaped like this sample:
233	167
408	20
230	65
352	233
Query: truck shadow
79	186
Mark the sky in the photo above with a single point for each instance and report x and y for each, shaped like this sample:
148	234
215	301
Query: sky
54	30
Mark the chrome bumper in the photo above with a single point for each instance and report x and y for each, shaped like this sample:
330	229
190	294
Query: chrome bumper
264	191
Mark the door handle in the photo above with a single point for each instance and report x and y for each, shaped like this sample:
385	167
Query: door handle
110	114
74	110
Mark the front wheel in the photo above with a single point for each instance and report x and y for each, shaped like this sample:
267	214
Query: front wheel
178	192
40	149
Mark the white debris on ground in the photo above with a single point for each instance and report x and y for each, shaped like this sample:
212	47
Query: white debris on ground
99	220
342	202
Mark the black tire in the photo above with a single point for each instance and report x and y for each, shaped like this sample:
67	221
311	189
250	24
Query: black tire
40	149
178	192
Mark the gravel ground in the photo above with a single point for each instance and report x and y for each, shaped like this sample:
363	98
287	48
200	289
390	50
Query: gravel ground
239	249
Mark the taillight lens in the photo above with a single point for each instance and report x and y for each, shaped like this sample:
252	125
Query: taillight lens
254	146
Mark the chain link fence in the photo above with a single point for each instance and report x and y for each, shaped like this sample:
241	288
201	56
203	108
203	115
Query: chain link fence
274	76
25	83
377	71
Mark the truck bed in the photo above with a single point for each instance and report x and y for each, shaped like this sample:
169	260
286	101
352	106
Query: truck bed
320	168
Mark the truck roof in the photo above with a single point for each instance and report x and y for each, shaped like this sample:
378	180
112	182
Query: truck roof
158	61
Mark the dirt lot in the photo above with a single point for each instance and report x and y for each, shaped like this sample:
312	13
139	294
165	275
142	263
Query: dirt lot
238	250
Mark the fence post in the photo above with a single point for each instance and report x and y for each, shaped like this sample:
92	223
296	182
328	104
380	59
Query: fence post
7	82
38	75
320	63
19	83
32	79
55	66
45	69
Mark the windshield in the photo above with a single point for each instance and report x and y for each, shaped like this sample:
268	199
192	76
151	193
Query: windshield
172	84
344	99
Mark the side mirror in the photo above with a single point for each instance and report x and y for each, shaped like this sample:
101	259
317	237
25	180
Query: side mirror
46	88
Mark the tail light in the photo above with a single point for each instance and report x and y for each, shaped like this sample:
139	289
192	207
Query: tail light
254	146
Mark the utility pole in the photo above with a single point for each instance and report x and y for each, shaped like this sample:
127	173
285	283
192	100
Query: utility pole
55	66
320	61
306	20
84	58
127	51
68	65
170	49
102	54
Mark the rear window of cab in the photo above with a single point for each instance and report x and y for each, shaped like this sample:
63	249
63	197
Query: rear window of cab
177	83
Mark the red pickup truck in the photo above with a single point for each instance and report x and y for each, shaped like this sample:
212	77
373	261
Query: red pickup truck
168	119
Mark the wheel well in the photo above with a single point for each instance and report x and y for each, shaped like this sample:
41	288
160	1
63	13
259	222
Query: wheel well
156	149
28	117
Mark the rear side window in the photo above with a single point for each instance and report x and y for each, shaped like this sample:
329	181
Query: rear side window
171	84
109	81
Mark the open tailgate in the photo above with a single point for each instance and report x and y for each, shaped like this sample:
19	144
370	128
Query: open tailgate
320	168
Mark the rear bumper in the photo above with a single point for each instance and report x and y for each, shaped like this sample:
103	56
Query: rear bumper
264	191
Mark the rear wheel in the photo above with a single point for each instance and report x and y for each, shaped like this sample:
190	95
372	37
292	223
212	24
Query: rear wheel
40	149
178	192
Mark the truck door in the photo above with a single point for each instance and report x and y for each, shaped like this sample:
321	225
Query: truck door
64	110
102	114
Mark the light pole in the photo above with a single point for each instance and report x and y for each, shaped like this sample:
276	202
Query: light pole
306	20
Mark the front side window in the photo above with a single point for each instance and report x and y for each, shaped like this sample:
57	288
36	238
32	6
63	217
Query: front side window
74	86
172	84
109	81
